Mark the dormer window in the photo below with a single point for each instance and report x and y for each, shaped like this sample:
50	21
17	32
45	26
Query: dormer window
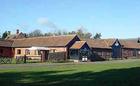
116	44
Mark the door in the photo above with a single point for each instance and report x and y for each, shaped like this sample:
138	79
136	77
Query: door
44	55
117	52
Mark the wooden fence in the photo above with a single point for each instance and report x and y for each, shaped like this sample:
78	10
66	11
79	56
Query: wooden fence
5	60
57	56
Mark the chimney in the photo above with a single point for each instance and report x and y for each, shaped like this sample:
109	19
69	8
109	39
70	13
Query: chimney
17	31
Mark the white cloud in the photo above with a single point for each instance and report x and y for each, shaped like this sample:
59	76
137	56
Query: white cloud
45	22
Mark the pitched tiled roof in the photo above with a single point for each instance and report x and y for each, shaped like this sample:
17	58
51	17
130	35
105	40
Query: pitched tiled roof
100	43
129	44
43	41
54	41
78	44
106	43
6	43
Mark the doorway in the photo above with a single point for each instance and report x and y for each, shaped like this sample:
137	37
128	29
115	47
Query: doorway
44	55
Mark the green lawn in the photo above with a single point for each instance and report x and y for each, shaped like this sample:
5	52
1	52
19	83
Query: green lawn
110	73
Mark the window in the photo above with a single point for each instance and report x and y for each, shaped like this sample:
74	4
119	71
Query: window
18	51
1	51
138	52
27	52
37	52
52	50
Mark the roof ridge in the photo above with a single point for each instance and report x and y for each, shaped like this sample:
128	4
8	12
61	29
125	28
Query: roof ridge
106	42
80	41
46	37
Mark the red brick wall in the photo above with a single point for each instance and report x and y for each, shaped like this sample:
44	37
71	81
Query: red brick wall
5	51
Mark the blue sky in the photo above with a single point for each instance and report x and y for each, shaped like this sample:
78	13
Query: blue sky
112	18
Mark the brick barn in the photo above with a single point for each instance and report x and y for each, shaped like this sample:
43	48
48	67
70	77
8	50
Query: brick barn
18	47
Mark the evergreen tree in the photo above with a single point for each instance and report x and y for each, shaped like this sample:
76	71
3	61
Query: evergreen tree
97	36
4	35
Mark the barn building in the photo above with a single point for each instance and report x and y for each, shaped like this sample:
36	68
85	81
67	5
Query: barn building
100	48
71	46
125	49
19	47
80	50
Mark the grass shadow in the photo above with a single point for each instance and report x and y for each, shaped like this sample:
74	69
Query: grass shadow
113	77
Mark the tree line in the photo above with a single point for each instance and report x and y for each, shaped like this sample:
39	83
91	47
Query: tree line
37	33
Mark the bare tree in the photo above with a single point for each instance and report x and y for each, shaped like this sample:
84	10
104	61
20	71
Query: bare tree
35	33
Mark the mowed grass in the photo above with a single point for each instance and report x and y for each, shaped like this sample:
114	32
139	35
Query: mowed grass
110	73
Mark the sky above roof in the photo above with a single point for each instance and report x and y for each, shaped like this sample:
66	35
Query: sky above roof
112	18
